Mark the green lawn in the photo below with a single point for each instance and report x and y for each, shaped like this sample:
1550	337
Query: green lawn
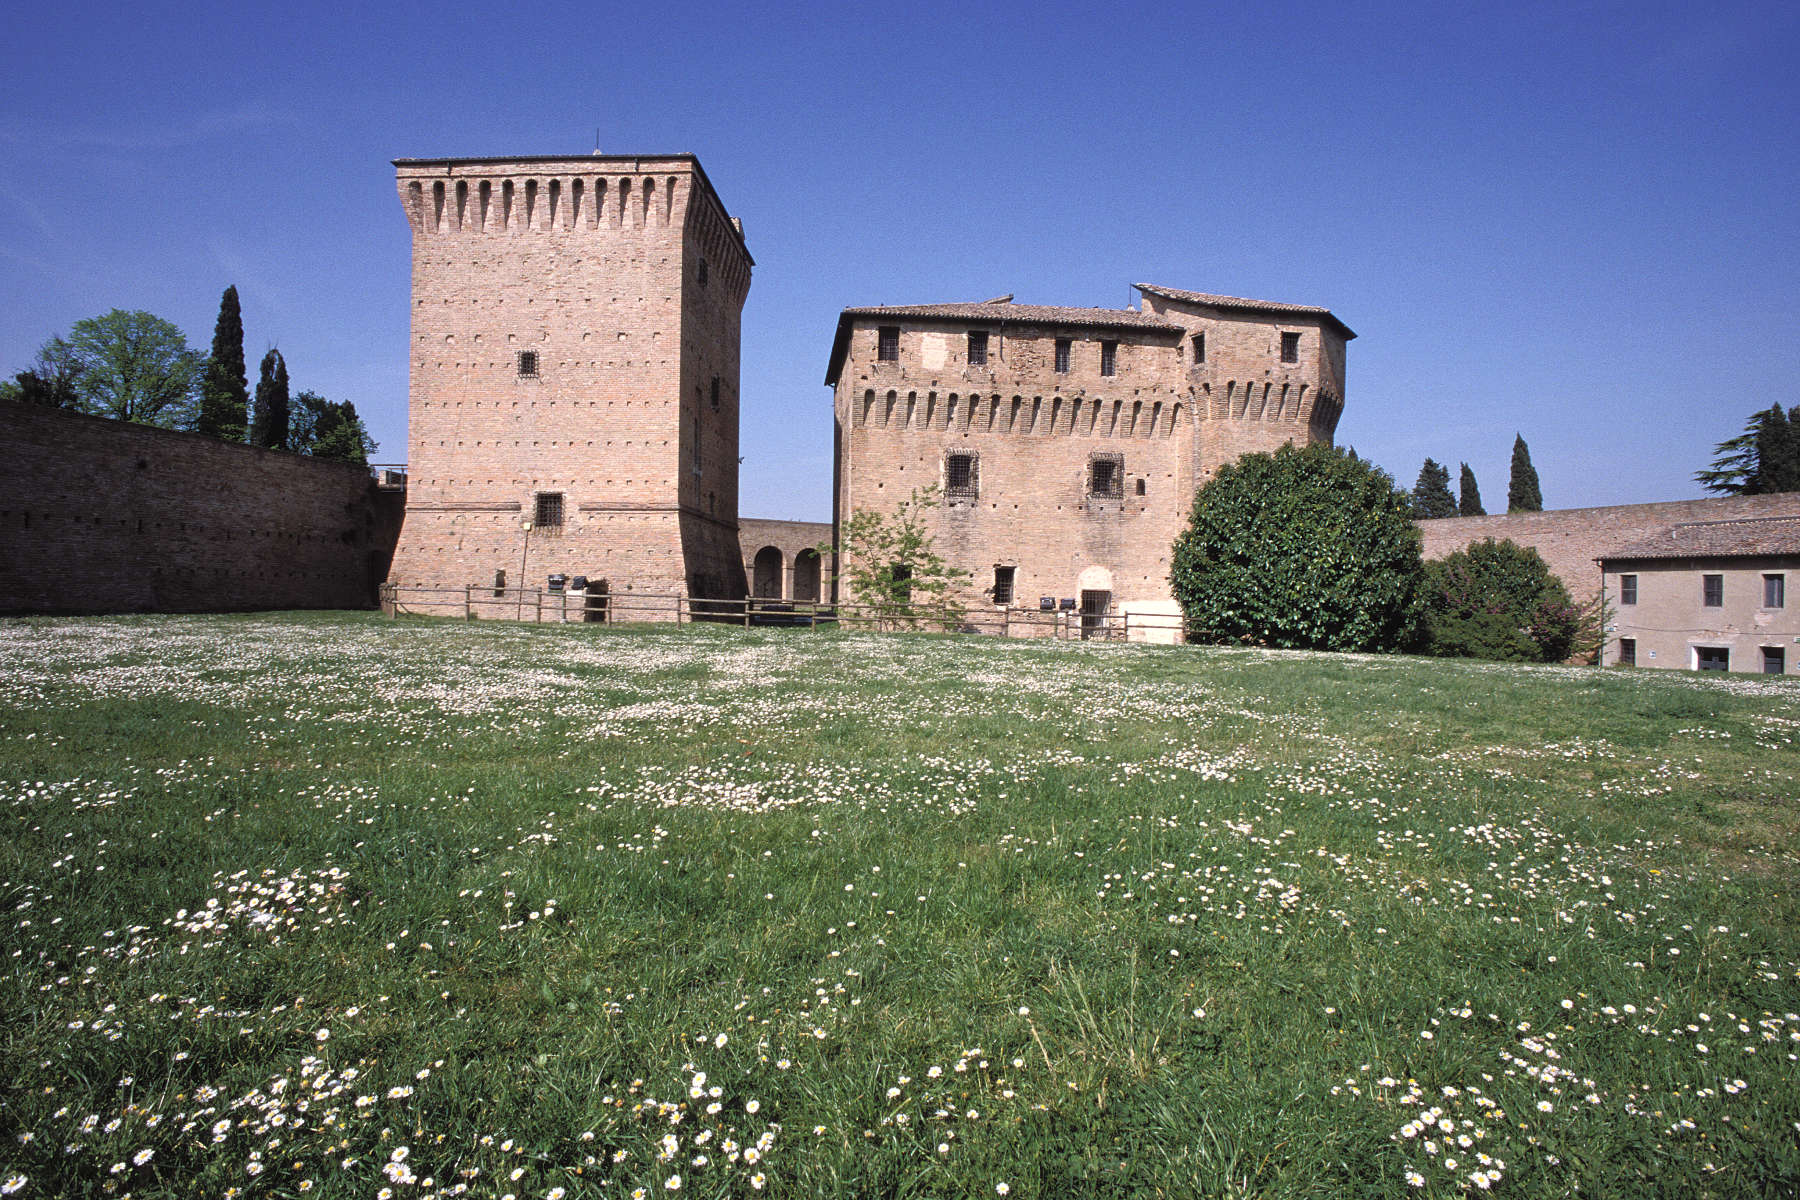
325	904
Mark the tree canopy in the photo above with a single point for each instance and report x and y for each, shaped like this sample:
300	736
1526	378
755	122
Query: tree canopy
1468	500
1431	498
1302	548
1764	458
329	429
132	366
1522	493
269	428
1500	601
889	564
224	388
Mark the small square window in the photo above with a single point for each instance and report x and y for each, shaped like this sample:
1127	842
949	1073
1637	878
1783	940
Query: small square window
1628	589
1199	348
960	480
1106	478
1003	584
528	364
549	510
1774	591
1290	347
888	344
1109	358
1712	591
1140	487
1628	652
1062	356
978	343
1774	660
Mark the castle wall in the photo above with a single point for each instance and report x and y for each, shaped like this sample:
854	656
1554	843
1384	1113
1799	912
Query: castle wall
569	319
108	516
1570	539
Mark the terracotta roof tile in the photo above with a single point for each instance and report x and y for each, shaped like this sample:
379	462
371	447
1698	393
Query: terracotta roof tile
1021	314
1240	304
1753	537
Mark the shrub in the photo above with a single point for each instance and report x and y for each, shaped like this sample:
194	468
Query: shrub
1303	548
1498	600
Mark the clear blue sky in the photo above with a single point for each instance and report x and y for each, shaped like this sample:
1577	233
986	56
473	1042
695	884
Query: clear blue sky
1573	221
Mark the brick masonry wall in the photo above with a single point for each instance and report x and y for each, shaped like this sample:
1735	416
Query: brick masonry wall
106	516
1570	539
625	278
1169	422
780	545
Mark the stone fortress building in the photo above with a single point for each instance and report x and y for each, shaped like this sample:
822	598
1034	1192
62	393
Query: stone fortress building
1068	442
574	375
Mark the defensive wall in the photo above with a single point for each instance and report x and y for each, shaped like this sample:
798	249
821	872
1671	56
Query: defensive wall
1570	539
781	559
108	516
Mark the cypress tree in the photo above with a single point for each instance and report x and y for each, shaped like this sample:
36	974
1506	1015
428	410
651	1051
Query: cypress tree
270	429
1468	501
1522	493
225	389
1431	496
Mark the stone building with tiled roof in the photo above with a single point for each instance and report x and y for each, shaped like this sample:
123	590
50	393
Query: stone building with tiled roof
1069	442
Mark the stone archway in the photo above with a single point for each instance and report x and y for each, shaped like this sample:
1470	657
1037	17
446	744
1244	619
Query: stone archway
806	577
766	572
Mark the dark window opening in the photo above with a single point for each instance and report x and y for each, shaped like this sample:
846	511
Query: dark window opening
1712	591
1290	347
1774	591
1199	347
703	272
978	343
1712	658
1628	652
1062	356
1003	584
499	583
1109	358
888	347
549	510
1140	487
528	364
715	391
1106	478
1774	660
1628	589
960	479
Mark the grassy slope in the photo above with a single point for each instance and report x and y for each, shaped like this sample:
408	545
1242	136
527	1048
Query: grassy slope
1164	922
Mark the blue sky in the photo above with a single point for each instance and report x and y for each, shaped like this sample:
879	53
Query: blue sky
1579	222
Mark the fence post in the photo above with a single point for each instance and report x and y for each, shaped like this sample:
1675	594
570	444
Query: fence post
468	603
538	617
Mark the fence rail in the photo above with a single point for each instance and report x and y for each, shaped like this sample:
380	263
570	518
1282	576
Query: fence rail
542	606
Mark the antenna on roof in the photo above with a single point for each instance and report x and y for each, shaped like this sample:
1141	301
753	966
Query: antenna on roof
596	139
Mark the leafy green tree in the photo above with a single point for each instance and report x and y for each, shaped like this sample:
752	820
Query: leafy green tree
888	564
329	429
51	380
1765	458
1498	600
132	366
1431	498
270	429
1468	501
224	389
1522	493
1302	548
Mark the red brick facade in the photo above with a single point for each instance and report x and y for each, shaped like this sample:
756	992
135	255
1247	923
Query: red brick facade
574	374
107	516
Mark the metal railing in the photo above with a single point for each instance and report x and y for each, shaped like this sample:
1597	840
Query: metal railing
543	606
388	474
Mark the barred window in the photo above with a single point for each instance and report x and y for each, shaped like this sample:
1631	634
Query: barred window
960	479
1062	356
1109	358
1199	347
1290	347
1106	477
978	343
528	364
1628	589
1712	591
549	510
1003	584
888	347
1628	652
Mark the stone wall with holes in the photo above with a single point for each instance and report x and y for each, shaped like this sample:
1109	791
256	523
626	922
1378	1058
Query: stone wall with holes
107	516
781	559
1570	539
575	328
1032	437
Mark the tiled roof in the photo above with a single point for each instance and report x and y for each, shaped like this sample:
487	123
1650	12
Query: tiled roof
1021	314
1753	537
1241	304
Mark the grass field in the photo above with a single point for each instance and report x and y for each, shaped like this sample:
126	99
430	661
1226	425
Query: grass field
323	904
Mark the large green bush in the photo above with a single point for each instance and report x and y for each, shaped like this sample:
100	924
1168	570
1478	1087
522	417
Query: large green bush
1498	600
1302	548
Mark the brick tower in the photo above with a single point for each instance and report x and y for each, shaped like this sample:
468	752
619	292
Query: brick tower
574	375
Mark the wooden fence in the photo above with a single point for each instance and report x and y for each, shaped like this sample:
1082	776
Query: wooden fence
543	606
